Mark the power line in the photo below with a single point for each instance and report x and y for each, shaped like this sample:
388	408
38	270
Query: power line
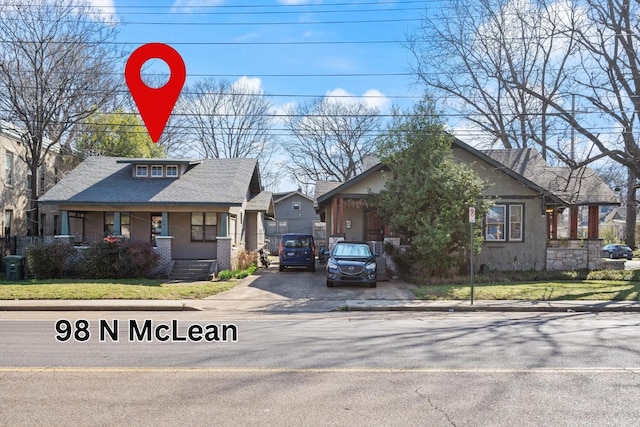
253	24
234	43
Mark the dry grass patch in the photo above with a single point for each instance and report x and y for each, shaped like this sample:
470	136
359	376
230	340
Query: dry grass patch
110	289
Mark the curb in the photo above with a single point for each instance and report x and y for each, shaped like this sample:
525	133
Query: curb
494	306
32	305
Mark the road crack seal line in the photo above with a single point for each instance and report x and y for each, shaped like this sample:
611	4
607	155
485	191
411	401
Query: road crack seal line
434	406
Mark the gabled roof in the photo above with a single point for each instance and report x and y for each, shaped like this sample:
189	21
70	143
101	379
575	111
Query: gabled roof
323	187
279	197
102	180
580	186
332	188
262	202
559	185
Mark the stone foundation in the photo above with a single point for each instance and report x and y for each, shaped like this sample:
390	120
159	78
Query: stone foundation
575	255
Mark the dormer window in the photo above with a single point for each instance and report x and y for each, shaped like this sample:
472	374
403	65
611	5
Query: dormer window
157	168
156	171
171	171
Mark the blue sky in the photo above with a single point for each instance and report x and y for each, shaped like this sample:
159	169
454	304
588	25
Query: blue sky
213	35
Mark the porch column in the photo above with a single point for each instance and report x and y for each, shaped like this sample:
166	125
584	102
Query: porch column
594	222
164	227
117	224
341	215
573	222
337	215
224	225
64	223
552	224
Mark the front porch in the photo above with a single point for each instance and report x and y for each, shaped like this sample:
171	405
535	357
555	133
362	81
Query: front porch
175	235
570	252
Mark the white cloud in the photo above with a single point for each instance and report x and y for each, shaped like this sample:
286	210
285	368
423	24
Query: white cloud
254	84
190	5
105	8
373	98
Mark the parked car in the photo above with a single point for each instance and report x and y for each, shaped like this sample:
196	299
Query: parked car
617	250
297	250
351	262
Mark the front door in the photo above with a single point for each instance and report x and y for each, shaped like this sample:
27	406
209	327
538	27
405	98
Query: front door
374	229
156	227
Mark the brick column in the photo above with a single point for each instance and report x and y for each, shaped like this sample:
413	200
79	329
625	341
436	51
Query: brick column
163	247
224	253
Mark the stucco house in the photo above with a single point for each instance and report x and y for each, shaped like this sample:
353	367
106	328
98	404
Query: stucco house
189	209
294	213
16	182
520	230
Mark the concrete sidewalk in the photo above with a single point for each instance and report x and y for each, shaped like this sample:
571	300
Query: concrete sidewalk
299	306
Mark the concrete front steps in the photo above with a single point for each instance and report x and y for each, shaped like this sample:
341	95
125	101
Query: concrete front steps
192	269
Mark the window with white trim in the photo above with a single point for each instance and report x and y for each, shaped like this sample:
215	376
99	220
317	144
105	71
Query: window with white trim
142	170
156	171
515	222
494	223
504	223
296	206
204	226
171	171
8	168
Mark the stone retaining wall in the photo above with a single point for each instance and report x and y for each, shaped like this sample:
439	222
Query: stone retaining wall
588	256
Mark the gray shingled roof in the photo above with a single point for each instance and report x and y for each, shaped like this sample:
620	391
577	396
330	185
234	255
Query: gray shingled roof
109	181
323	187
575	187
262	202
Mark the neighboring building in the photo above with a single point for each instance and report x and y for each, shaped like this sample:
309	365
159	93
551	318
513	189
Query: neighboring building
189	209
294	213
520	230
614	224
17	181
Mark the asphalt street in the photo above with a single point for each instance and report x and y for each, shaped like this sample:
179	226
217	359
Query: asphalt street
340	368
297	358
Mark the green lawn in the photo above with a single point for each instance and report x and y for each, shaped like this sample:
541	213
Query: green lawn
110	289
607	290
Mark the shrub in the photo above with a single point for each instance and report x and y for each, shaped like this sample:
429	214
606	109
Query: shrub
225	275
246	259
139	260
49	260
236	274
111	259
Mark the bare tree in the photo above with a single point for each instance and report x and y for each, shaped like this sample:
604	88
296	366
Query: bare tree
574	65
56	69
465	54
331	139
229	120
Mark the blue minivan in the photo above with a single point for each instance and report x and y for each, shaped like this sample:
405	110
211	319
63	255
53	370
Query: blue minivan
297	250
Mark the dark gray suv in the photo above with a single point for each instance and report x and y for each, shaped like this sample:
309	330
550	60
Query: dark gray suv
351	262
297	250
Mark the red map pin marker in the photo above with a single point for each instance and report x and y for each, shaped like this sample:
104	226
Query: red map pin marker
155	104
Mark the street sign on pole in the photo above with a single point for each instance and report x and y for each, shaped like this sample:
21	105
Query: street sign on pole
472	220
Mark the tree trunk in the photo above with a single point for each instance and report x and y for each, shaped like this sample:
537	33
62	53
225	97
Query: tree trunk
632	204
33	217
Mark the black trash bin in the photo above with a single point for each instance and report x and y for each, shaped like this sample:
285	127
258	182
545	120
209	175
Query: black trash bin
14	267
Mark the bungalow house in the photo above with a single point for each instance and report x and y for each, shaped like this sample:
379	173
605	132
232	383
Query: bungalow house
294	213
189	209
520	230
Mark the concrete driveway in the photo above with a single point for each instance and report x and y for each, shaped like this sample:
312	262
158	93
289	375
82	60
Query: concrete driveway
301	290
